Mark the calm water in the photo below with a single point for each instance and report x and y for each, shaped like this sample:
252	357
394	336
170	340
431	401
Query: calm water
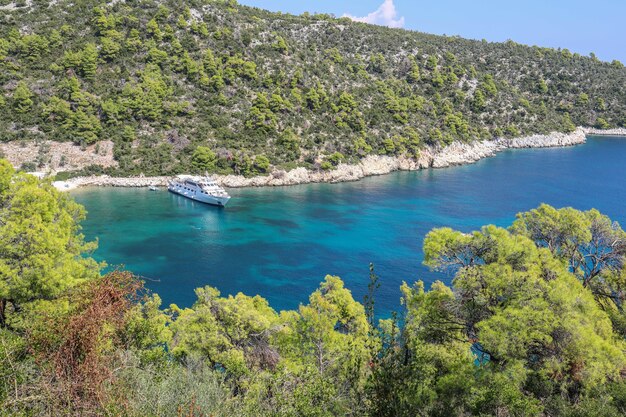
281	242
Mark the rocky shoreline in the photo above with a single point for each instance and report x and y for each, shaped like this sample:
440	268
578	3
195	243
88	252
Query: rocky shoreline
620	131
457	153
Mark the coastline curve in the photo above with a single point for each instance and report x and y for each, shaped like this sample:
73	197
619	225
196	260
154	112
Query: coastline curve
457	153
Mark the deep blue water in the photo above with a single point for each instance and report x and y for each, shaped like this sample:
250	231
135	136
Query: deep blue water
281	242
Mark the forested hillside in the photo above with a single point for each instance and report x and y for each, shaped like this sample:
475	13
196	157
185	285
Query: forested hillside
215	86
532	325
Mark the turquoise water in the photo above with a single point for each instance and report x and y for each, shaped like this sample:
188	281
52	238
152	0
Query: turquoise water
281	242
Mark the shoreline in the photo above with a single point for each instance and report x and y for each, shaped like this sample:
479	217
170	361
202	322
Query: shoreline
457	153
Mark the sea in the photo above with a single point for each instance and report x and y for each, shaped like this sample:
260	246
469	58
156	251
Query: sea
281	242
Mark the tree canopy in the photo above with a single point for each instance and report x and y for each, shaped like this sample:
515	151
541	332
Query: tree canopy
41	248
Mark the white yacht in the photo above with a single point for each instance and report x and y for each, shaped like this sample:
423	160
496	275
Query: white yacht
202	189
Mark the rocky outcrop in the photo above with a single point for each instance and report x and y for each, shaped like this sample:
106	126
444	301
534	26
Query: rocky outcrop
552	140
107	181
457	153
606	132
461	153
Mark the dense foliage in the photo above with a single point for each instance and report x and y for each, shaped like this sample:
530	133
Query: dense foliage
215	86
40	245
532	325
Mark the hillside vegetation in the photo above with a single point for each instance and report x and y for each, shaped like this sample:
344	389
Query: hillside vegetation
215	86
532	324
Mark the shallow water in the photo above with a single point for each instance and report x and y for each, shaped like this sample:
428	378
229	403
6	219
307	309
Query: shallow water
281	242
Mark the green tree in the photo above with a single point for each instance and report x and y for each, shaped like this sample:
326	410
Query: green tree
210	64
334	55
583	99
296	78
437	79
331	333
157	56
512	131
478	101
228	332
261	163
60	111
348	114
361	147
335	158
72	59
542	87
216	83
110	48
154	30
489	85
147	99
289	145
89	61
526	282
312	99
22	98
32	46
435	136
86	127
568	124
389	146
40	242
133	41
377	63
203	159
522	312
280	45
593	246
55	39
414	72
431	62
278	104
4	49
261	117
601	123
102	22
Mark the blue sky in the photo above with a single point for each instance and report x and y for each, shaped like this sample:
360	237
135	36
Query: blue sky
582	26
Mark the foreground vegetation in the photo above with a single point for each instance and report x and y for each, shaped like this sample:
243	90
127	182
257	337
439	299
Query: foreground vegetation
532	325
206	85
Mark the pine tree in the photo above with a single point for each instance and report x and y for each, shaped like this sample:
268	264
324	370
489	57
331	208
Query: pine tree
414	73
40	243
22	98
89	61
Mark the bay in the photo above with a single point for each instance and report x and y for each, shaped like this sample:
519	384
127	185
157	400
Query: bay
281	242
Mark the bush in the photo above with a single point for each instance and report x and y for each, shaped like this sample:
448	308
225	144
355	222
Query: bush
28	167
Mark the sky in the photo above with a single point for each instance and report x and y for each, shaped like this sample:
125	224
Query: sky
582	26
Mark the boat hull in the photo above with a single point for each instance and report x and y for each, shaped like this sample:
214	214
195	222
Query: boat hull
196	196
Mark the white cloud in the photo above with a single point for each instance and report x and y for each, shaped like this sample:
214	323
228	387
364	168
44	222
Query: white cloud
385	15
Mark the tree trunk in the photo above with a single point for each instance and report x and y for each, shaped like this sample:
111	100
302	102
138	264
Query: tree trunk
3	306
